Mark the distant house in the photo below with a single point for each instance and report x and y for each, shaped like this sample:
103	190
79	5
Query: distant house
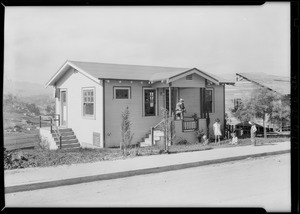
91	96
246	83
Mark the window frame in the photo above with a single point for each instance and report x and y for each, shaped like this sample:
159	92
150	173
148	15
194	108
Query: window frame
236	103
212	99
115	88
88	116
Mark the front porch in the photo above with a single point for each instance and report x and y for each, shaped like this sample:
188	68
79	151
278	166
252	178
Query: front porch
54	136
200	105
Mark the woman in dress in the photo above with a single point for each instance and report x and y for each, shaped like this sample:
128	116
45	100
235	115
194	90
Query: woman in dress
217	130
253	132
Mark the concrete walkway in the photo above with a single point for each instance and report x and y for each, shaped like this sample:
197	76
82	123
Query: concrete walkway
37	178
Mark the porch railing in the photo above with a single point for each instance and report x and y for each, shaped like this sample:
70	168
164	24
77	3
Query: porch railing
189	124
53	127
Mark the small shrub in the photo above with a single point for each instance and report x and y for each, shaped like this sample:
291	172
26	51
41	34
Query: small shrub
43	143
16	159
199	134
126	135
182	141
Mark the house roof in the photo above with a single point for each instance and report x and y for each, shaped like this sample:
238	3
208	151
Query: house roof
131	72
280	84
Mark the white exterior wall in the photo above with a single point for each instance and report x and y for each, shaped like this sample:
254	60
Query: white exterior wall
82	127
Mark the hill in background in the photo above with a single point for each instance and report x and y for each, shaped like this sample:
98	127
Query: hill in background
25	89
23	102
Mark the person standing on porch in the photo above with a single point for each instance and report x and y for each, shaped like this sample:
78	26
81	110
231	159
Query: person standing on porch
253	132
217	130
180	109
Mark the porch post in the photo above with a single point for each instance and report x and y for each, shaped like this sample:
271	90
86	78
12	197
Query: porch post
170	101
170	115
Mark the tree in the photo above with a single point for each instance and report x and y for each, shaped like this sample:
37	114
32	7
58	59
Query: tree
126	136
50	110
259	105
281	112
33	108
168	127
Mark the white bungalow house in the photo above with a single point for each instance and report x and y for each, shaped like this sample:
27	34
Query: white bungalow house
91	96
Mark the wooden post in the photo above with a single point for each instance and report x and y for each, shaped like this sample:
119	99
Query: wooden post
170	101
51	124
152	136
60	142
170	115
40	121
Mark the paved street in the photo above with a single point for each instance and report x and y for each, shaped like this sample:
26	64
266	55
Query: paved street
255	182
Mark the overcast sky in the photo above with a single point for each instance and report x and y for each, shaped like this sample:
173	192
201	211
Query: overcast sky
216	39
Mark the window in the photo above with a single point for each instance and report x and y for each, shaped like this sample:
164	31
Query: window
149	102
88	98
122	92
237	103
209	100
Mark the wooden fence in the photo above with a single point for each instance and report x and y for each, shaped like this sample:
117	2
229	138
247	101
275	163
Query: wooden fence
21	142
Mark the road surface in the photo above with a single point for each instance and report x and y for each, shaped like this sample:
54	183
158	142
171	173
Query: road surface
254	182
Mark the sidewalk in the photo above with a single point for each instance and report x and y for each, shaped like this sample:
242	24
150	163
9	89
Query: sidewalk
38	178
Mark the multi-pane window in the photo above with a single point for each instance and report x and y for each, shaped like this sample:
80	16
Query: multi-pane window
209	100
237	102
88	102
122	92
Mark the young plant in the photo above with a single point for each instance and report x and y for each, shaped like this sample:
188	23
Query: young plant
126	136
200	134
168	127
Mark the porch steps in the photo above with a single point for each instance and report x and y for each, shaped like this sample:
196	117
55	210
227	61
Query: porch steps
146	141
68	140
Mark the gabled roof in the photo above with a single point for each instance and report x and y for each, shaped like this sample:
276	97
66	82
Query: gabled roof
280	84
130	72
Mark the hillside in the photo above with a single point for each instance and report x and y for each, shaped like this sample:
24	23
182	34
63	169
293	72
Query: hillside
21	114
25	89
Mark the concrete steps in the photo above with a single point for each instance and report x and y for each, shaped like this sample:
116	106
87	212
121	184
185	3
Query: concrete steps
147	140
69	140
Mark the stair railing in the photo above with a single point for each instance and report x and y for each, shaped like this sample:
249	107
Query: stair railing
53	127
153	129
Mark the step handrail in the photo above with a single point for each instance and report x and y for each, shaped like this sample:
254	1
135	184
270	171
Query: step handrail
154	127
158	123
152	131
56	130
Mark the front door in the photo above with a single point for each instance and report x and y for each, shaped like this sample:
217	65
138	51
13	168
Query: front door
150	102
63	108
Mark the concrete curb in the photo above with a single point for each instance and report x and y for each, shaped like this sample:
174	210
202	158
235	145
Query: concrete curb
85	179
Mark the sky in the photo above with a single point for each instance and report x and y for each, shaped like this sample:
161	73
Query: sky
216	39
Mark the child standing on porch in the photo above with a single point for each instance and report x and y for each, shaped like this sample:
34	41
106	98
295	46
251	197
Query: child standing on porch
180	109
217	130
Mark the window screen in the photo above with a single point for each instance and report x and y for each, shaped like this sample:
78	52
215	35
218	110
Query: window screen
88	102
